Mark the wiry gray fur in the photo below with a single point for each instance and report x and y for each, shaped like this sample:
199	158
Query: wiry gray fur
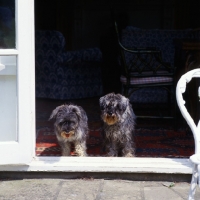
71	118
118	136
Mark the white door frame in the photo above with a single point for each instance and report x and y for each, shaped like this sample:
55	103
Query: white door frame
21	150
26	91
104	164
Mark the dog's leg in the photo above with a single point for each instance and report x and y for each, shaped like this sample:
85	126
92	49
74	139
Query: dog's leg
65	148
80	148
128	150
112	149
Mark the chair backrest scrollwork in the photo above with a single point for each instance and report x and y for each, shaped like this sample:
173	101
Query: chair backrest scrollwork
180	89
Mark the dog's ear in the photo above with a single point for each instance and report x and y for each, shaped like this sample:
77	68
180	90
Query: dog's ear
101	100
78	110
55	112
102	103
125	100
123	103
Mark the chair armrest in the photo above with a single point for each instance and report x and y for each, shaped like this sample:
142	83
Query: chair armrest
140	50
87	55
70	57
144	48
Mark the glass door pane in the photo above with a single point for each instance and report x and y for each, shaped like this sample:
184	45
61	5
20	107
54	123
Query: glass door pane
8	73
8	99
7	24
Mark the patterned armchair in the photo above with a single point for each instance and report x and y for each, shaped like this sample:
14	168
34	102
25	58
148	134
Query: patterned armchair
64	74
162	40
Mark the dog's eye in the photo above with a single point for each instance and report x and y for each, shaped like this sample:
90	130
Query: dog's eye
119	107
72	123
62	123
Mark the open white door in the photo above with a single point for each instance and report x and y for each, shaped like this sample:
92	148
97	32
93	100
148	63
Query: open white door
17	82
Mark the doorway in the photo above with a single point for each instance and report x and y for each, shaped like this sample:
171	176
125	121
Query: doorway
73	20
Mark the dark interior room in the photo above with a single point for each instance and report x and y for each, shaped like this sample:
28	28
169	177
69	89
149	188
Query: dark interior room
80	64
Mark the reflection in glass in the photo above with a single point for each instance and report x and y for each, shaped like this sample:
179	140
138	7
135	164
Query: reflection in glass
7	24
8	99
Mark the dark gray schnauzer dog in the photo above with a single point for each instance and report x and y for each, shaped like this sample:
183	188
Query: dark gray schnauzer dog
71	126
119	123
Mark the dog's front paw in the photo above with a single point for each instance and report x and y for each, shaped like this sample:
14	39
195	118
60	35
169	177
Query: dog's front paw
111	154
82	154
65	154
129	155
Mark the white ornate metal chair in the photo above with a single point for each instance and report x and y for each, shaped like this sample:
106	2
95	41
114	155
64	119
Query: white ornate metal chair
195	158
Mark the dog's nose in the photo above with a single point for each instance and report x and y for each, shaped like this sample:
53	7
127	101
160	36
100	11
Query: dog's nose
110	113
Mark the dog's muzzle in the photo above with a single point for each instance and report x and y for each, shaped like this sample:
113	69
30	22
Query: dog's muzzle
64	134
110	119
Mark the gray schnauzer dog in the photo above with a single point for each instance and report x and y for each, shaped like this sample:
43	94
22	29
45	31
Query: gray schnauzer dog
119	123
71	126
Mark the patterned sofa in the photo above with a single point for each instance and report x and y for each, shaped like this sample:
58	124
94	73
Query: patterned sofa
64	74
162	40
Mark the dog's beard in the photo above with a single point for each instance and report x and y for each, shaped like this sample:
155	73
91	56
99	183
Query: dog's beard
65	134
110	120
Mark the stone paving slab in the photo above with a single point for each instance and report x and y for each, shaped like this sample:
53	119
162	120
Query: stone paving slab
160	193
79	189
183	190
29	189
120	189
158	190
92	189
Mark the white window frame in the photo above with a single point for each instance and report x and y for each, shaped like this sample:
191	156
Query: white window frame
81	164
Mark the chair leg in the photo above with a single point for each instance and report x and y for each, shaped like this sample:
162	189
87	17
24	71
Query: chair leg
193	182
175	114
125	91
174	110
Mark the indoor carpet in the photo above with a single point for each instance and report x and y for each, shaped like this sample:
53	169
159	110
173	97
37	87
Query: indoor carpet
148	143
153	138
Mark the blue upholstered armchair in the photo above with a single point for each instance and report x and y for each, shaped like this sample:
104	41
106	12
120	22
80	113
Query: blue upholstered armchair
64	74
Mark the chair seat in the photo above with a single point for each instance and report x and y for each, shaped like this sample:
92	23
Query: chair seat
195	128
195	158
147	80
